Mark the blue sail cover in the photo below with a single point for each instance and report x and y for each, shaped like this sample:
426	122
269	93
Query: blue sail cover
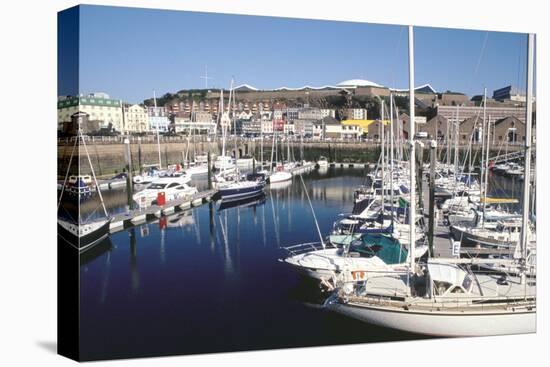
386	248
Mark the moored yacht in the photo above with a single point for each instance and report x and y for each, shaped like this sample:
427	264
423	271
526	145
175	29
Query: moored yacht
322	162
280	175
83	236
172	187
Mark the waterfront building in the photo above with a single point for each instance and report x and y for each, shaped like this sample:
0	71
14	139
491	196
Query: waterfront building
244	115
333	129
310	114
278	114
201	116
496	112
363	124
325	112
158	118
98	106
252	126
509	93
292	113
303	127
452	99
436	126
267	126
278	125
509	130
318	130
288	129
186	126
351	131
375	129
136	119
356	114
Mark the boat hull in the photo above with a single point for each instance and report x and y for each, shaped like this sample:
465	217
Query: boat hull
84	242
472	239
280	176
230	193
450	324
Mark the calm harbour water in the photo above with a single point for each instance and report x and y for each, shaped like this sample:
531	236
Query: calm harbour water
209	280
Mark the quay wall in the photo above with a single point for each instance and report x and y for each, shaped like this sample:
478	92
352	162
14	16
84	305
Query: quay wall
110	159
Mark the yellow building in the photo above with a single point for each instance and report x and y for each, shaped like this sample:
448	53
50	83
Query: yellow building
363	124
99	108
136	119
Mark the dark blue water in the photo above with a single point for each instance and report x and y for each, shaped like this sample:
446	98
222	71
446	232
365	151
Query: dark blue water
209	280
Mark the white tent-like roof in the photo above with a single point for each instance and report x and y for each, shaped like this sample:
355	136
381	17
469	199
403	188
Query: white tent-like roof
358	83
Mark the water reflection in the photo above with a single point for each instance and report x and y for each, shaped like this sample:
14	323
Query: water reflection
207	279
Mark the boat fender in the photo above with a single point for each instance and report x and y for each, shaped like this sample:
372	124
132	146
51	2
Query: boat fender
359	275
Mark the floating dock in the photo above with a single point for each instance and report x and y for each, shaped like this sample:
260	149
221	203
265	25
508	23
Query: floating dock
122	221
348	165
302	169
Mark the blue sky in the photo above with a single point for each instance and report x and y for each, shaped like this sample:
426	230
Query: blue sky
129	52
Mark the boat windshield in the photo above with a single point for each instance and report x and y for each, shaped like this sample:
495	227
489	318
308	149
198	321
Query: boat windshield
387	249
157	186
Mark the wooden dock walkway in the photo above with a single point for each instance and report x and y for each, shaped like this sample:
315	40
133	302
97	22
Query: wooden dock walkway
442	237
141	215
303	169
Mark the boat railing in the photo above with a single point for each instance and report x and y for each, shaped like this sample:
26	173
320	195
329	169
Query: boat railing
399	298
303	248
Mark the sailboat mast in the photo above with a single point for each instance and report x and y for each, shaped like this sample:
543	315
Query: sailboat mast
482	187
486	168
222	123
261	144
158	134
391	156
383	155
391	134
528	124
412	156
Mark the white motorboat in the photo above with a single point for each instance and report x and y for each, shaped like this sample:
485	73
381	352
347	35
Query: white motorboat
325	261
172	187
322	162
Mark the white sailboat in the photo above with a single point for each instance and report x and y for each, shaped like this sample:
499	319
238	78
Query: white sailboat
444	297
199	166
224	162
78	234
280	174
